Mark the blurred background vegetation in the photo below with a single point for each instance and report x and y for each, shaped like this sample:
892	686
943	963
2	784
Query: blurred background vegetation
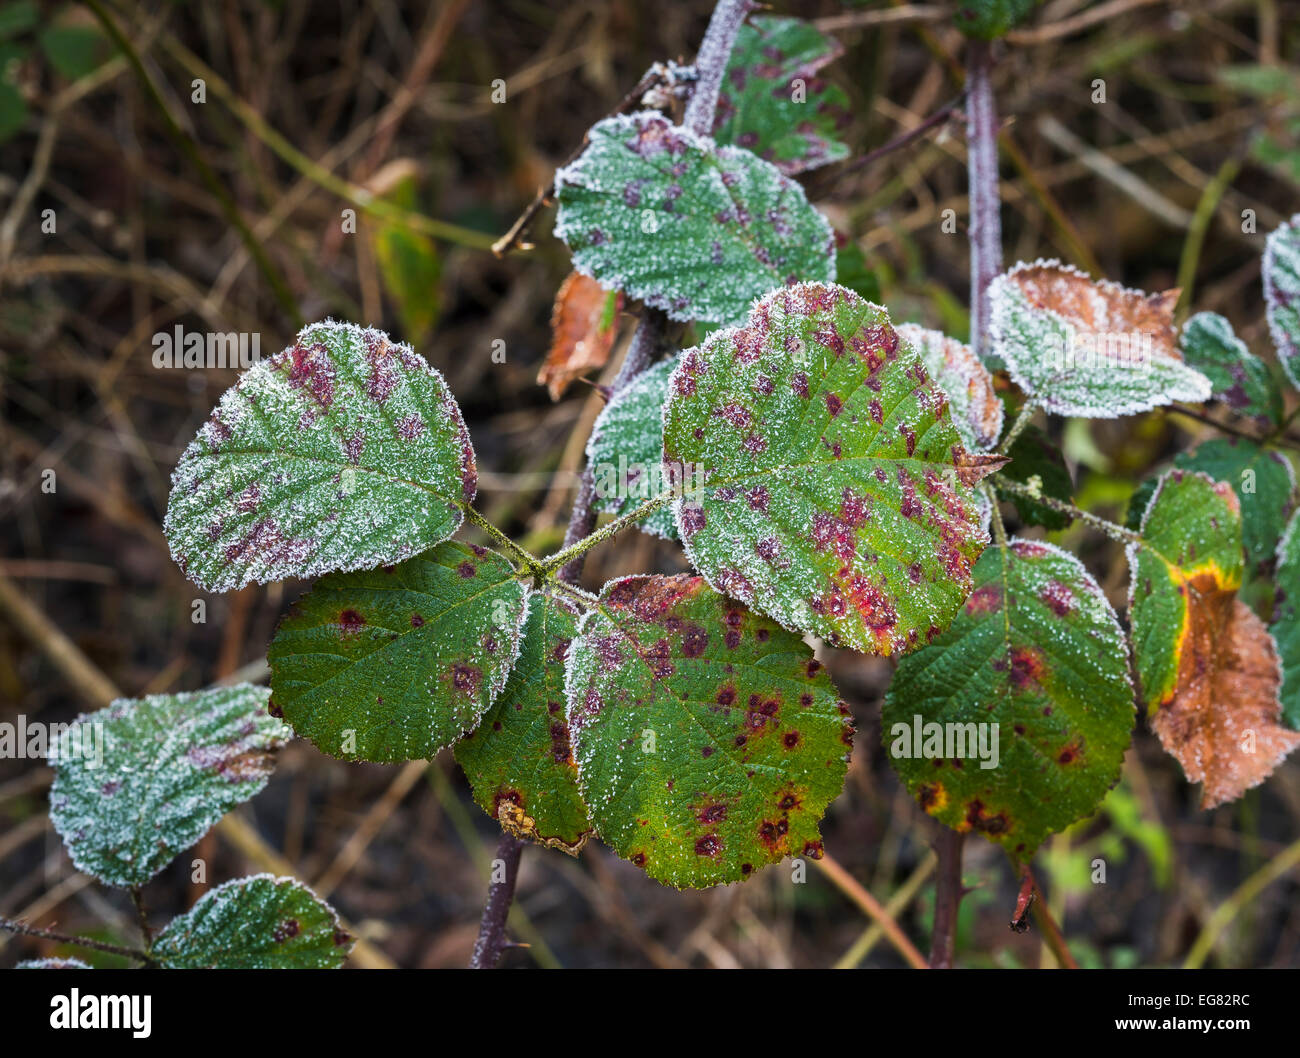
386	108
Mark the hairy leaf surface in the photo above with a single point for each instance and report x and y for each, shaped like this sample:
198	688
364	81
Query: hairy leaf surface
974	406
345	451
1090	349
823	482
1207	666
395	663
1285	628
709	740
519	761
1240	380
1038	653
696	230
1281	269
255	923
142	780
772	100
625	450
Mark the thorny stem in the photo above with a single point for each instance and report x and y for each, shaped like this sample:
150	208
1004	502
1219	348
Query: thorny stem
948	892
492	927
1017	428
10	925
710	65
1102	525
982	170
586	543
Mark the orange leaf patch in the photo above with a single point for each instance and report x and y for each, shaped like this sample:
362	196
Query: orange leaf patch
582	332
1222	724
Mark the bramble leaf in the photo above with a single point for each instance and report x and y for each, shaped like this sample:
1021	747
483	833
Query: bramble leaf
1090	349
696	230
1281	271
990	19
1038	654
394	664
709	740
1034	455
773	103
584	321
255	923
343	452
972	403
1240	380
519	761
142	780
1285	628
1207	667
823	482
625	451
1264	482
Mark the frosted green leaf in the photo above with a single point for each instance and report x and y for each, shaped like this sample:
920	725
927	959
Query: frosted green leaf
696	230
1033	455
823	483
346	451
1191	547
990	19
142	780
709	740
1264	482
1286	621
63	962
1240	380
255	923
394	664
625	451
773	102
973	405
1014	722
519	761
1281	270
1088	349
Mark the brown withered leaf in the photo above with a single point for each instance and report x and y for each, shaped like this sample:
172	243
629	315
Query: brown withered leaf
974	467
1100	307
1223	723
582	332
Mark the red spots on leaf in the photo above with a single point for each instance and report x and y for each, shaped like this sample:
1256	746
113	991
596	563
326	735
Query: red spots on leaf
790	739
909	437
350	622
310	371
813	850
799	383
694	641
708	845
466	678
286	930
1068	754
467	569
249	498
1058	597
984	599
637	858
738	416
976	819
714	812
757	497
693	519
410	427
1026	666
732	639
726	696
417	620
833	404
561	751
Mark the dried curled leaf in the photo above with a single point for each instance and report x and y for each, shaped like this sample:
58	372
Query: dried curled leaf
625	451
1014	722
972	402
1091	349
709	740
256	923
823	482
142	780
696	230
396	663
1281	270
1240	380
345	451
773	102
1207	666
583	324
519	761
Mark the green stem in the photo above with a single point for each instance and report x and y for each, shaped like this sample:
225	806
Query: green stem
1102	525
22	929
561	558
999	530
1017	428
1200	225
530	561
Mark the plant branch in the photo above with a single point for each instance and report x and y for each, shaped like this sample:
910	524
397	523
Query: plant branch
10	925
948	892
584	544
873	909
492	927
1102	525
530	561
1052	935
142	916
1017	428
985	203
939	117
